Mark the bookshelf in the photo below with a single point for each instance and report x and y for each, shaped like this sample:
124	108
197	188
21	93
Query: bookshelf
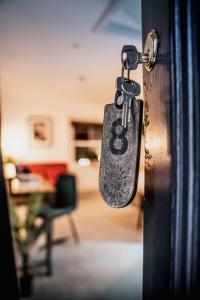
87	141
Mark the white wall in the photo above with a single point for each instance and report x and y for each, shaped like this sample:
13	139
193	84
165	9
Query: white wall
18	104
15	130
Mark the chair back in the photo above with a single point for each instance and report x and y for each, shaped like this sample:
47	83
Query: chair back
66	195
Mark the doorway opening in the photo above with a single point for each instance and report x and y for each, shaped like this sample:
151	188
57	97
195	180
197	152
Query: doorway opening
59	63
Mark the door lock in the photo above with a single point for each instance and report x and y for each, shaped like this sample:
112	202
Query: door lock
130	57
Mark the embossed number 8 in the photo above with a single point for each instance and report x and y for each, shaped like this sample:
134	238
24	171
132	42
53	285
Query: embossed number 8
118	137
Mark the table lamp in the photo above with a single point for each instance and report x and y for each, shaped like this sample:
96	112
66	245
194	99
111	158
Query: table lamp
9	173
9	170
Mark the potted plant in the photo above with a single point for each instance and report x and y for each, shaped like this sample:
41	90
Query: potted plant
26	230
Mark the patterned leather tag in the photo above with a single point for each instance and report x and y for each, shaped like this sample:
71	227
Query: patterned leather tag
120	154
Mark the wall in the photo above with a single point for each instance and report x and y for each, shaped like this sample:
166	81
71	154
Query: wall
17	106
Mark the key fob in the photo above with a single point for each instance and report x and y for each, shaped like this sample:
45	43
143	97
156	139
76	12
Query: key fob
120	154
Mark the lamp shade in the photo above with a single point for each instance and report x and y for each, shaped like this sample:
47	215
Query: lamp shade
9	170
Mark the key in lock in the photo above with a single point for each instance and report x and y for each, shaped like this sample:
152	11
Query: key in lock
120	152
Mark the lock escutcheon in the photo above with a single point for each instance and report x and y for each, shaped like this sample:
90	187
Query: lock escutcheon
150	50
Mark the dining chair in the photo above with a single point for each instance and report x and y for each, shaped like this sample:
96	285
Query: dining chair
66	200
64	204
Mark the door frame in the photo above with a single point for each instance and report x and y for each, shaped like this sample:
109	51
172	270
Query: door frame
181	261
185	233
8	274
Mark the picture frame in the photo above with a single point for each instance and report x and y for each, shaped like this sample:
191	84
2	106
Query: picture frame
40	131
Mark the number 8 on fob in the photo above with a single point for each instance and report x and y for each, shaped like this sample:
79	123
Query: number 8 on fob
120	150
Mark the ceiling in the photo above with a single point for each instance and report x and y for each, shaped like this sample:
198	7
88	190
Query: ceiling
66	47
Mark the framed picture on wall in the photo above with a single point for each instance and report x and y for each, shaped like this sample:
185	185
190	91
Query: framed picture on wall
40	131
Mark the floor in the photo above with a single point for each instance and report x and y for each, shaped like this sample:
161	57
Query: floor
106	264
96	221
93	271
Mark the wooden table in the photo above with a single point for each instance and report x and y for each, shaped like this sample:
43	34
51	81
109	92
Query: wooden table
30	184
21	192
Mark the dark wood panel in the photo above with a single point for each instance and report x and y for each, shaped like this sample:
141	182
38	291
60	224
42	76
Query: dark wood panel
186	150
157	206
172	134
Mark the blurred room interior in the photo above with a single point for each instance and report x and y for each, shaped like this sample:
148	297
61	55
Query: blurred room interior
58	63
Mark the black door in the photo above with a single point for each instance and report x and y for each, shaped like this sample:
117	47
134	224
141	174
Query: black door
8	277
172	152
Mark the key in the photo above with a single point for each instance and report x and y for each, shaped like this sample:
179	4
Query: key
125	112
126	85
129	89
129	110
130	57
119	95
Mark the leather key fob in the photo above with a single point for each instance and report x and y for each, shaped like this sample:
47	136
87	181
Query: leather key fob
120	154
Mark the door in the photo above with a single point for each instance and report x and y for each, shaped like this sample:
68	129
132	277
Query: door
8	277
172	152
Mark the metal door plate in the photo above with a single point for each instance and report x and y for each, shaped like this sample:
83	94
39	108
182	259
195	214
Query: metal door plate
151	49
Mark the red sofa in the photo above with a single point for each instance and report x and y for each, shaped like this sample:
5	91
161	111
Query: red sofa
50	171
